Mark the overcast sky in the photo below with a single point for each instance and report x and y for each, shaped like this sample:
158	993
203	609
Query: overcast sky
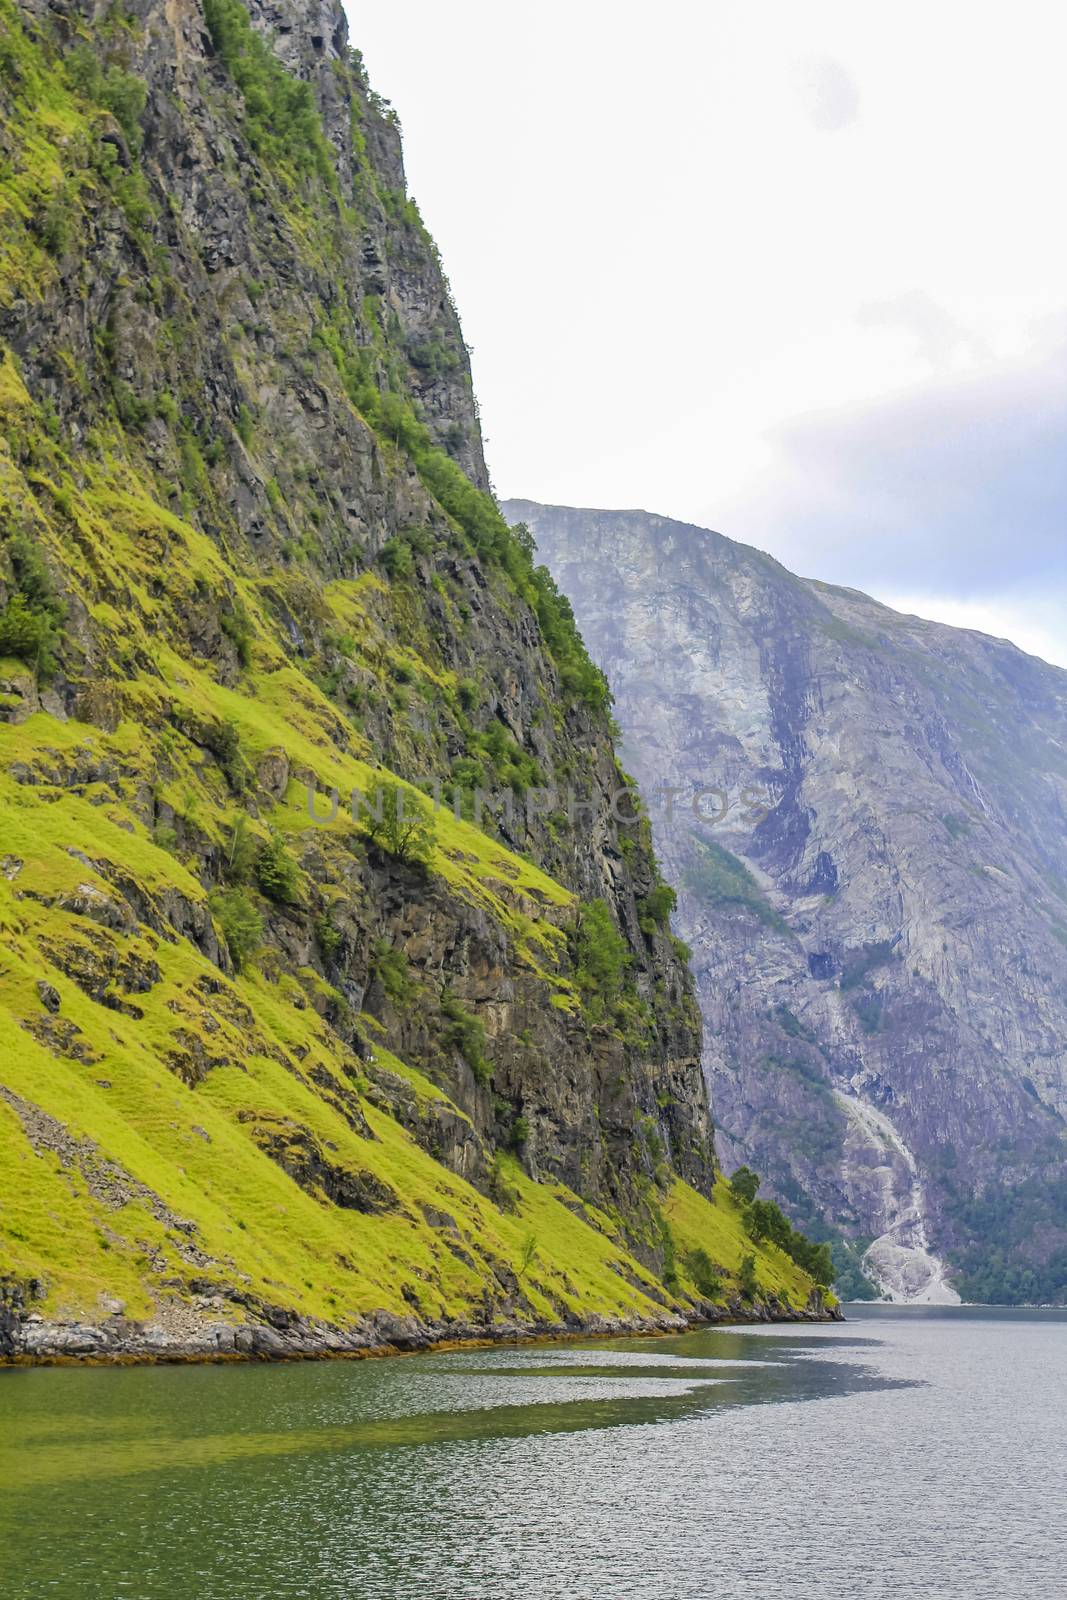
794	272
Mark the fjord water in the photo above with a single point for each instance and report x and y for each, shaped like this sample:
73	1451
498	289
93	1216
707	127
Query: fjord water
907	1451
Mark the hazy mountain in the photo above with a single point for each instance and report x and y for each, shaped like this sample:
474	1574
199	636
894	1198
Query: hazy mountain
879	919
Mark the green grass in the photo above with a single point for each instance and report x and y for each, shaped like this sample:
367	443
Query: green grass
719	878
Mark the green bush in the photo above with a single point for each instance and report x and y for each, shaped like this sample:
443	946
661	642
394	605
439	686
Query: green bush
241	924
495	747
654	910
705	1274
118	92
55	226
245	425
601	955
223	739
277	874
390	967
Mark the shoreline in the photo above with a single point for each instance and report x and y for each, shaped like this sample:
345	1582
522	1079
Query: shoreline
34	1342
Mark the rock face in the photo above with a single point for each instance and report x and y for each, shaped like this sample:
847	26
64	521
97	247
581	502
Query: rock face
423	1055
874	888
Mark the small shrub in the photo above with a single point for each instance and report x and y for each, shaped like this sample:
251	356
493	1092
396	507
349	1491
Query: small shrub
397	559
244	425
328	937
670	1254
121	93
747	1281
237	627
654	910
527	1255
466	1034
277	874
390	967
56	225
124	96
241	924
223	739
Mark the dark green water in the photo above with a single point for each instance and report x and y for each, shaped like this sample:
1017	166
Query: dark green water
906	1452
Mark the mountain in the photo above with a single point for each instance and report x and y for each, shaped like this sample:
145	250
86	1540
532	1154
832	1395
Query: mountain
875	892
314	1034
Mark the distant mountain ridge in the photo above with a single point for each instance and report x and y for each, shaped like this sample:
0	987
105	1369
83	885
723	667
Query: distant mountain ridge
879	929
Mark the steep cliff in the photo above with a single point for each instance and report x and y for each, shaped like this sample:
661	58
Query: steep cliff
875	891
280	1069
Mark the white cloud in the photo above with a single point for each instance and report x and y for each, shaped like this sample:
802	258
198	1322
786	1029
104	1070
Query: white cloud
1035	622
830	94
940	339
662	261
956	486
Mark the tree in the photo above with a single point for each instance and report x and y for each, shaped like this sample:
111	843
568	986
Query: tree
397	823
764	1220
744	1185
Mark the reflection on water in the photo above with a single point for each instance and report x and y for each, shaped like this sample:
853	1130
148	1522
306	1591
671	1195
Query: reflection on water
896	1450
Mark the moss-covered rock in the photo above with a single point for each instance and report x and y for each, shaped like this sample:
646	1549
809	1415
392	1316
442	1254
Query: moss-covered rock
238	435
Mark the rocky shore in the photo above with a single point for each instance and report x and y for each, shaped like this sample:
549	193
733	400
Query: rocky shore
28	1338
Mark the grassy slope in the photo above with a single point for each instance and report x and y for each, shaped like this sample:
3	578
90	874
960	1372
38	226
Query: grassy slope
250	1217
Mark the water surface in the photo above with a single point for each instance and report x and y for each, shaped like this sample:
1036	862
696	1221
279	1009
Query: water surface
908	1451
